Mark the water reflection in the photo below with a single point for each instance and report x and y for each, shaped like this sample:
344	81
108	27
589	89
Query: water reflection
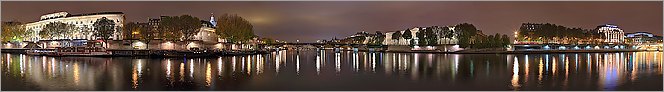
208	74
515	74
136	72
181	72
582	71
169	70
337	62
297	63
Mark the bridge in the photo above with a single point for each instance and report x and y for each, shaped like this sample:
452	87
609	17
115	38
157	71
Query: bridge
586	46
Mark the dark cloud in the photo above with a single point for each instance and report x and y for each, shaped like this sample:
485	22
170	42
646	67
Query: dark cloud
310	21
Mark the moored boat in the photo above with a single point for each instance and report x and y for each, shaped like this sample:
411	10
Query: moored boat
41	52
82	51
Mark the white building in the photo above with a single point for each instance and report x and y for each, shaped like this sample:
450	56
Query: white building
79	20
612	34
207	32
437	30
400	41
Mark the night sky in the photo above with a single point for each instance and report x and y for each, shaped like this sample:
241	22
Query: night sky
311	21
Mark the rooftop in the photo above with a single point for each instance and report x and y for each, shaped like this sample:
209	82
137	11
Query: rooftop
70	15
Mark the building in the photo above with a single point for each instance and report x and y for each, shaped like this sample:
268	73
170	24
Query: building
400	40
440	31
206	33
212	21
154	27
206	38
136	34
642	38
611	33
80	21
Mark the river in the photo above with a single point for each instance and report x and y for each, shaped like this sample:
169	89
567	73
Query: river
338	71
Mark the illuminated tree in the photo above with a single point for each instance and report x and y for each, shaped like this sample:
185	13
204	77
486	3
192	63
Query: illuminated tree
465	33
14	31
421	40
105	28
56	30
407	34
505	40
180	27
234	28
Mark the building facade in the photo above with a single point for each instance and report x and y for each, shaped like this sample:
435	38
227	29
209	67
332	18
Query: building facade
81	21
154	27
440	31
642	38
207	33
611	33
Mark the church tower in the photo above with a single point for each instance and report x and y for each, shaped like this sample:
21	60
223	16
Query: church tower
214	22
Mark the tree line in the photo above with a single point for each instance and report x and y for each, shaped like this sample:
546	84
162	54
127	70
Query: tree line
14	32
103	28
231	27
549	33
467	35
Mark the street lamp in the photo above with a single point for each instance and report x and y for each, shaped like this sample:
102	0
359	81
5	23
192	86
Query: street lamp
516	38
516	34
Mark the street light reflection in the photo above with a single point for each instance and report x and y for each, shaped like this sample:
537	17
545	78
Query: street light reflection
515	74
611	70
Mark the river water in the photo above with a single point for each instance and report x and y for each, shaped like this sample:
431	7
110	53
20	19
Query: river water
345	70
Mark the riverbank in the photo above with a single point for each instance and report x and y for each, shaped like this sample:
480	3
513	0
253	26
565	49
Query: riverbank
155	53
545	51
505	51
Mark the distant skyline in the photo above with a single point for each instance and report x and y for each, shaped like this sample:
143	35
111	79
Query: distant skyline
309	21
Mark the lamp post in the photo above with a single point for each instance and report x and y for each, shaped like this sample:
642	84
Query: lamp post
516	37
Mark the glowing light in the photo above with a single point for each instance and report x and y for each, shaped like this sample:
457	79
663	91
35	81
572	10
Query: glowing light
278	62
317	64
527	69
191	69
233	63
208	75
247	62
373	63
192	45
337	62
139	45
539	76
168	68
555	67
298	64
181	71
260	64
562	47
168	45
547	47
136	73
515	74
355	61
77	73
219	64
